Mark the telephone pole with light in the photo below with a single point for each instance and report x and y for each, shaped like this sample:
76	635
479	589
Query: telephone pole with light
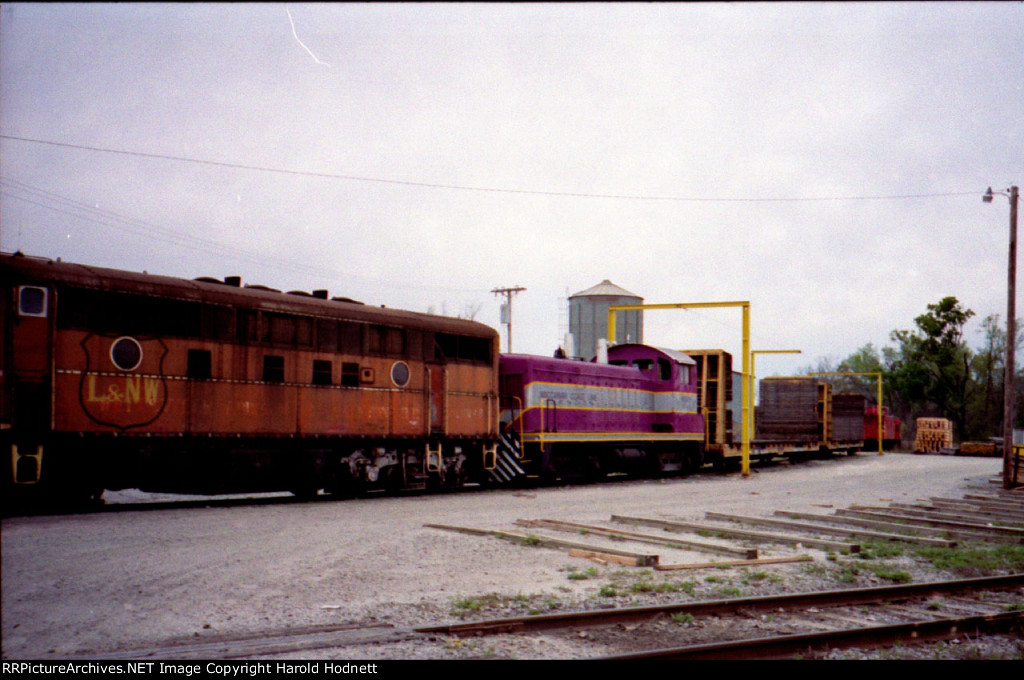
1009	468
506	309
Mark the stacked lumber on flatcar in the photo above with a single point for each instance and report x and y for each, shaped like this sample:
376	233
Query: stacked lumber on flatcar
848	417
788	410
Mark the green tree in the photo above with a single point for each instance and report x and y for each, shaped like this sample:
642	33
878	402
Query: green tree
931	366
985	408
867	359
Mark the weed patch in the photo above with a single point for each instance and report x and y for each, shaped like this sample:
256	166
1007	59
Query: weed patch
464	606
588	573
974	559
880	550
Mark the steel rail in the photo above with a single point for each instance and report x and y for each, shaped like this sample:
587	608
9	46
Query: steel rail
790	646
833	598
341	635
276	642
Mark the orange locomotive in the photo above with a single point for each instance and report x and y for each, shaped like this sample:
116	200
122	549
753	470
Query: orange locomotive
113	379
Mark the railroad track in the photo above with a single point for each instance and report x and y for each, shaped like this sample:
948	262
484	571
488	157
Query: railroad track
166	501
804	623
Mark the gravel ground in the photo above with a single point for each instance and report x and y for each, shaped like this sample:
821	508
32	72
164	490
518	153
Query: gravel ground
93	584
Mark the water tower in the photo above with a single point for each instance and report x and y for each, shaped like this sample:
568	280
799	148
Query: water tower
588	318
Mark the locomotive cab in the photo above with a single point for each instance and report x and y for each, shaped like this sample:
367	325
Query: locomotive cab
636	414
36	467
26	377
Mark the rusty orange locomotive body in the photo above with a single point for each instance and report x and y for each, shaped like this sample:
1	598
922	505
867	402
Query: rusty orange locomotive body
114	379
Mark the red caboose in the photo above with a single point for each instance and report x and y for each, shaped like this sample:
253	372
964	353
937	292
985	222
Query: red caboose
890	429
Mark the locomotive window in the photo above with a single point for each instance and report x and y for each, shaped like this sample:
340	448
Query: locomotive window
273	368
350	374
664	369
126	353
322	372
461	347
445	346
199	364
400	374
32	301
643	364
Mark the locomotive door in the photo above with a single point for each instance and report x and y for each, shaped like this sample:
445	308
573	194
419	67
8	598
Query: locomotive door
436	397
31	353
29	377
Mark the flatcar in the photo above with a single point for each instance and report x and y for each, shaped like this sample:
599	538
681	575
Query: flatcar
568	419
113	379
805	411
796	417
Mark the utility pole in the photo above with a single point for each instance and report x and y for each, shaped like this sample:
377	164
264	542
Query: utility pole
506	309
1009	457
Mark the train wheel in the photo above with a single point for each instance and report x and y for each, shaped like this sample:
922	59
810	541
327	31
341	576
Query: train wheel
87	496
722	464
593	471
305	492
694	462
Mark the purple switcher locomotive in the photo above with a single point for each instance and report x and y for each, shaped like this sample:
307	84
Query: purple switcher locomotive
568	419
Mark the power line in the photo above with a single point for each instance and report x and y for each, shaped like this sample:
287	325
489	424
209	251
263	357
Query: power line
57	203
458	187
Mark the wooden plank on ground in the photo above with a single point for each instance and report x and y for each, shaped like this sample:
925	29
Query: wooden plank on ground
676	525
946	513
745	553
932	520
639	559
887	525
1011	501
837	531
734	563
603	557
975	507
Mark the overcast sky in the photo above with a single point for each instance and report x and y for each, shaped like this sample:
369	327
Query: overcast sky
825	162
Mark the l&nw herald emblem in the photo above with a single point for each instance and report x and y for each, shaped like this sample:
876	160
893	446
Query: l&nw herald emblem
123	384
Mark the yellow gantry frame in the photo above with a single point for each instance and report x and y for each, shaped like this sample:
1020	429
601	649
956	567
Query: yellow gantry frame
744	387
879	376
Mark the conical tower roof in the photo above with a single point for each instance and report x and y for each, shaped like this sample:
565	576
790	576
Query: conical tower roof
606	287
